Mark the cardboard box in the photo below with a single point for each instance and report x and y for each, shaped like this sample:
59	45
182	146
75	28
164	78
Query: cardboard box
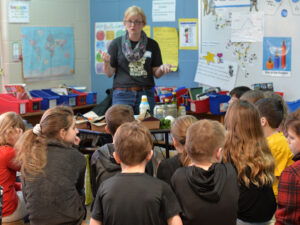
151	123
98	124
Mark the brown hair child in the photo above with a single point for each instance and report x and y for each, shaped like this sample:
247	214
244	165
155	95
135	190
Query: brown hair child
132	197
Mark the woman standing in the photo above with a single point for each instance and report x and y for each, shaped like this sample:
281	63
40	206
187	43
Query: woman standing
134	59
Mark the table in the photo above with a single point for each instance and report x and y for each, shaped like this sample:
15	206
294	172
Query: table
35	117
208	115
164	144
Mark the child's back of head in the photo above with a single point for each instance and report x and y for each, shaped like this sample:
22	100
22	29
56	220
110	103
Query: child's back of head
252	96
133	143
118	114
239	91
203	139
272	110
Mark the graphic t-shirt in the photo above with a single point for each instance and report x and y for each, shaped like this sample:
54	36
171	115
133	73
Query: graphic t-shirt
132	74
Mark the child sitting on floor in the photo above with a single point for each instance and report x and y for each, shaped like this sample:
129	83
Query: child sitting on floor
52	171
167	167
288	208
11	127
271	114
133	197
207	189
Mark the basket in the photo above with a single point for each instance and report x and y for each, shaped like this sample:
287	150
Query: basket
48	101
69	99
218	103
199	106
9	102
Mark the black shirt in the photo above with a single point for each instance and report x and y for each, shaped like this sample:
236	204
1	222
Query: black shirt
207	197
134	198
167	168
129	74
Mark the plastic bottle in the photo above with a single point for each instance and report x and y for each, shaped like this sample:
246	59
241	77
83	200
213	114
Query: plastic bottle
174	99
144	105
181	111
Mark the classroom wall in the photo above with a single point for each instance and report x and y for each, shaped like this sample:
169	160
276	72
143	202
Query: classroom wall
74	13
113	11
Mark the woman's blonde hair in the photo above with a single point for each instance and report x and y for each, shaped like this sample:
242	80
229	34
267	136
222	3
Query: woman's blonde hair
245	145
134	11
178	131
32	148
8	122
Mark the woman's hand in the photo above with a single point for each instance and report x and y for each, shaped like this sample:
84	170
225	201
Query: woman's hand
166	68
105	56
107	69
162	69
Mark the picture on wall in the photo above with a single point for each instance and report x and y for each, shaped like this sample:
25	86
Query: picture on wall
48	51
104	34
277	56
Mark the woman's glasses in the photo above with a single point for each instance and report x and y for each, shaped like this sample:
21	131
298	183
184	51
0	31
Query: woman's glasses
129	22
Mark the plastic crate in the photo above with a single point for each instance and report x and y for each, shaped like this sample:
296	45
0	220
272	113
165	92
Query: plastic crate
9	102
48	100
293	105
199	106
81	97
218	103
34	105
69	99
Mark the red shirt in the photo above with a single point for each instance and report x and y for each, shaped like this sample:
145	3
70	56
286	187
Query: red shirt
8	180
288	208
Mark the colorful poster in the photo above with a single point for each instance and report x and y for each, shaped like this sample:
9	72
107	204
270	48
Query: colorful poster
104	34
48	51
188	34
18	12
277	53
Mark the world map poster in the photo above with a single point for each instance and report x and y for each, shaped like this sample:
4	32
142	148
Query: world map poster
48	51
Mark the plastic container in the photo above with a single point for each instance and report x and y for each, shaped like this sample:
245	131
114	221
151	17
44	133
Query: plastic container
218	103
34	105
199	106
9	102
293	105
80	98
91	98
48	100
159	111
69	99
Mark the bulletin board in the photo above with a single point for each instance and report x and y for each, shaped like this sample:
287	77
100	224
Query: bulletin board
258	39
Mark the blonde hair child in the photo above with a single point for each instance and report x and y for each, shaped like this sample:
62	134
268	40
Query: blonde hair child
53	172
167	167
11	128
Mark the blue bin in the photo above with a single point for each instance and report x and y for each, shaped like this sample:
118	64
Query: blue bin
293	105
91	98
48	100
218	103
69	99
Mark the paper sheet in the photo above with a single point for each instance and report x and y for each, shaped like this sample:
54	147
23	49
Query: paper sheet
167	38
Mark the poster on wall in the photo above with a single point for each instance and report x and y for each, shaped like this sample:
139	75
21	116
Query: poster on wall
277	56
48	51
18	12
104	34
188	34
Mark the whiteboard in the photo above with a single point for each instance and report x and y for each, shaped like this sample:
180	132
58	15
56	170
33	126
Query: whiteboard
263	41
